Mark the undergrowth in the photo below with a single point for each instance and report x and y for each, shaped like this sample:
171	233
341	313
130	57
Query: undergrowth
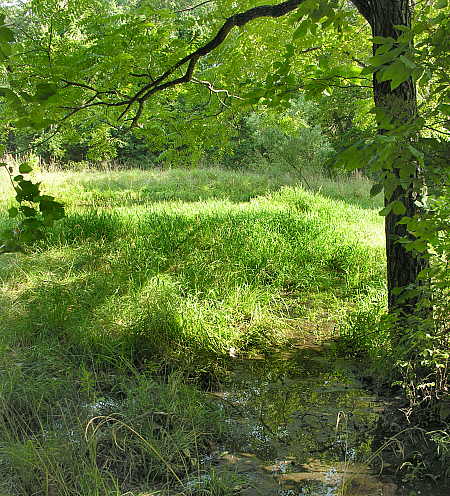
136	302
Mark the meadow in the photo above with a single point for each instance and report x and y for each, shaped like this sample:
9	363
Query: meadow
115	328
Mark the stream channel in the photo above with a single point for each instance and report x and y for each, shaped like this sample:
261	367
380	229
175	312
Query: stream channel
302	424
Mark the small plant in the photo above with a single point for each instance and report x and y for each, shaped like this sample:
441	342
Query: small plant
36	211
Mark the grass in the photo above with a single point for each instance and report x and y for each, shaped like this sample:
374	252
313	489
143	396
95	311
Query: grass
133	302
95	189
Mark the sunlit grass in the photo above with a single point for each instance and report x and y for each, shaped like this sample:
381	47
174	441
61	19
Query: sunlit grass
160	274
116	188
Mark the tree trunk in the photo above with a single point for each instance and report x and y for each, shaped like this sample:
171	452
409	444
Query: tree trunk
399	104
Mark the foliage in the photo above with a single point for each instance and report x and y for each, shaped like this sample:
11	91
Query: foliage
73	68
419	361
37	211
288	140
107	43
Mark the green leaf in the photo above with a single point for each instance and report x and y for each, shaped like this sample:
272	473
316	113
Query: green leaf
5	51
386	57
384	120
6	35
404	220
385	211
305	7
369	69
353	157
256	94
407	62
441	4
284	69
322	10
26	190
401	27
45	90
397	73
381	40
406	37
376	189
13	212
44	198
8	93
301	31
417	154
419	245
398	207
444	108
28	211
391	183
25	168
382	49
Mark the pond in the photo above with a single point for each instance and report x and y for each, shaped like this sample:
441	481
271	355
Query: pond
302	424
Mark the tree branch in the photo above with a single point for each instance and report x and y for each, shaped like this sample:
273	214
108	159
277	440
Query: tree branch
163	82
214	90
187	9
438	131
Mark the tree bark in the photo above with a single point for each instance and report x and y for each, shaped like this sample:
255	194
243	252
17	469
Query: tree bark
400	104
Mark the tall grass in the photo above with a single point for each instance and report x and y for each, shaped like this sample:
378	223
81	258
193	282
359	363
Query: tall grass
148	283
138	187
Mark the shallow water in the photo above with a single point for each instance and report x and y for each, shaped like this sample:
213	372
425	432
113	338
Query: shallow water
301	424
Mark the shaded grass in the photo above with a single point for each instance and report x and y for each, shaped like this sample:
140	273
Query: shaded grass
148	283
60	436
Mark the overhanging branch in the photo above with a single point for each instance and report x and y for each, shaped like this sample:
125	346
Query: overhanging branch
214	90
164	82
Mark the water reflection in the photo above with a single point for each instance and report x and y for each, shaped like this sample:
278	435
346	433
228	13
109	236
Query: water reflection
310	422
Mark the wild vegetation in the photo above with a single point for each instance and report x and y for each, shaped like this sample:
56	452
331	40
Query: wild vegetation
145	284
190	193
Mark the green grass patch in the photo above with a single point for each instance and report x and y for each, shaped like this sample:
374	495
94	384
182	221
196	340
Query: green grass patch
145	286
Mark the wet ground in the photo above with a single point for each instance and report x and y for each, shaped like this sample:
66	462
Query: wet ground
302	424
